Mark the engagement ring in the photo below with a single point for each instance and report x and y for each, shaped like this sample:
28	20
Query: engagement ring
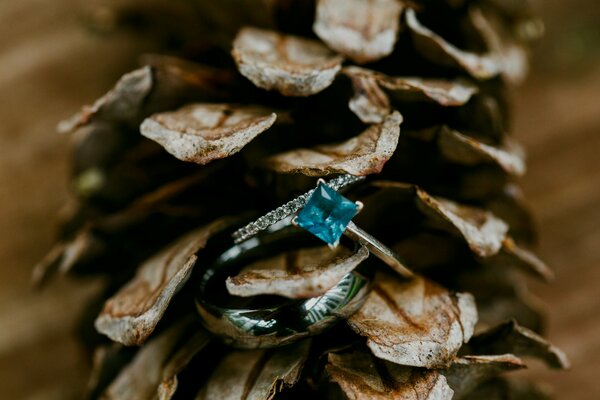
328	215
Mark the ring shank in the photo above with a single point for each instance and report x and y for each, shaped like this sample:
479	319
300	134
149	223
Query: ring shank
379	249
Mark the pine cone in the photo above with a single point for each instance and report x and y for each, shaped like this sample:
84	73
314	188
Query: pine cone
253	100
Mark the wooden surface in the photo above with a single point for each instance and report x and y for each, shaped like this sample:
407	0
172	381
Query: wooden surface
49	66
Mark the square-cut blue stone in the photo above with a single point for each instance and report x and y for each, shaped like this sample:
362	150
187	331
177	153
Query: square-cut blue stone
326	214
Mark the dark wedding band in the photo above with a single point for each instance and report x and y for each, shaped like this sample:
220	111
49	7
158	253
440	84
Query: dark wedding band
269	321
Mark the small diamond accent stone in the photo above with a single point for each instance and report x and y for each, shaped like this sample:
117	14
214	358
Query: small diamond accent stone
289	208
327	214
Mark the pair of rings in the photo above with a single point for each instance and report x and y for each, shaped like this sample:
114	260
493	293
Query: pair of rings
271	321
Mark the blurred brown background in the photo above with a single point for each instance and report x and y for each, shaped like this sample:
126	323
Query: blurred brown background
49	66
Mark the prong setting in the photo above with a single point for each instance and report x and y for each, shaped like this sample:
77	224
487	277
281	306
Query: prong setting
326	214
360	205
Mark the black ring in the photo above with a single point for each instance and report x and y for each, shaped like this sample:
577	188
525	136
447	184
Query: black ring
269	321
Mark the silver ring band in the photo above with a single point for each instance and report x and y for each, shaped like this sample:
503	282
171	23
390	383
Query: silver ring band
377	248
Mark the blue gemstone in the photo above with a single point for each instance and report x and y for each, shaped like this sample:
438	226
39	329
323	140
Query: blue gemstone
327	214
